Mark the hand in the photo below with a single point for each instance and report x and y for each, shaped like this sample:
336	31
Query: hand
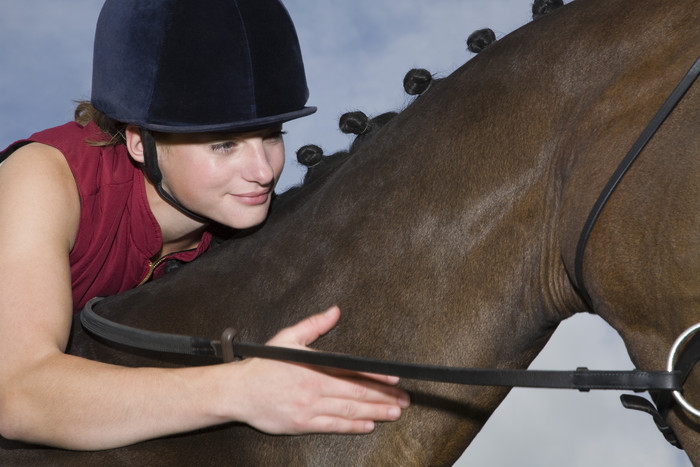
292	398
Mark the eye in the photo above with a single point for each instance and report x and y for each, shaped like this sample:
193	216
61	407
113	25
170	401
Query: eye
224	146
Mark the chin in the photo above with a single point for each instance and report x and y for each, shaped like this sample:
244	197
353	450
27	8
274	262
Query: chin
242	222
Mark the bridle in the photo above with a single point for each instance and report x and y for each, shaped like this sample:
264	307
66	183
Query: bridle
622	169
684	353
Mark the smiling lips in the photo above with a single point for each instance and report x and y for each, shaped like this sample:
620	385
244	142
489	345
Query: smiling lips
254	198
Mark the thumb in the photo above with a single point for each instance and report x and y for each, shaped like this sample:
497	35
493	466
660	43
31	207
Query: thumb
308	330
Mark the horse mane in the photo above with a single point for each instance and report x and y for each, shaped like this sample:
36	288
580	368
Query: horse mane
543	7
480	39
417	82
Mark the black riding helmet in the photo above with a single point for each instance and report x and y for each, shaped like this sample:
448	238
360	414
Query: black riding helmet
193	66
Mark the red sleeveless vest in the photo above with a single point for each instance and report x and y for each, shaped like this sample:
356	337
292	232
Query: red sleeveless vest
118	234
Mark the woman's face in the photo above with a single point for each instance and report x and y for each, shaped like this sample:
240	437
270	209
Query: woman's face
226	177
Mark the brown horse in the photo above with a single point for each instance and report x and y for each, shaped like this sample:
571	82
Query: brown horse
458	222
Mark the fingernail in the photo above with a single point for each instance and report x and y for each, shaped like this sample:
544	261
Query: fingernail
404	401
394	413
369	426
392	379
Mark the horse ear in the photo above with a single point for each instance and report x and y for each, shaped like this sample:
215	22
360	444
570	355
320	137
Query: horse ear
480	39
417	81
309	155
355	123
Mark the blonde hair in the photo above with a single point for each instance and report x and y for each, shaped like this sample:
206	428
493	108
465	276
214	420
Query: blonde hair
113	130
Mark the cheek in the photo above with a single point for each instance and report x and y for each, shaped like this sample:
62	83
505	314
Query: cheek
192	176
208	168
178	163
196	174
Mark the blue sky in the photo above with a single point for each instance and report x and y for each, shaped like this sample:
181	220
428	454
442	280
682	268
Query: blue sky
356	54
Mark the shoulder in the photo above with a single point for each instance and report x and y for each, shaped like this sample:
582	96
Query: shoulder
36	184
44	162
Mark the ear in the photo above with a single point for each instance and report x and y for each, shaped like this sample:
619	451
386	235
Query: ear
134	144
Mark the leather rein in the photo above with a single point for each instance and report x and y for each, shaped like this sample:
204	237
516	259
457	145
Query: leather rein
227	349
680	362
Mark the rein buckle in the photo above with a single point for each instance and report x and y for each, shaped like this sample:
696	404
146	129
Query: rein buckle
227	338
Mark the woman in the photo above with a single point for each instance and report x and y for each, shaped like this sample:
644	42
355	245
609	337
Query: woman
183	132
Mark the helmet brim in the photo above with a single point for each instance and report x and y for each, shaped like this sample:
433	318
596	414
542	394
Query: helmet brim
237	126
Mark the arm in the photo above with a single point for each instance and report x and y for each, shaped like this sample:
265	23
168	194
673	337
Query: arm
51	398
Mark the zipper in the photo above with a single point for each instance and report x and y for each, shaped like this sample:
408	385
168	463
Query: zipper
152	267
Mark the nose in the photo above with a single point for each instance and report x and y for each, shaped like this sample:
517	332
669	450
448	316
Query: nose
258	166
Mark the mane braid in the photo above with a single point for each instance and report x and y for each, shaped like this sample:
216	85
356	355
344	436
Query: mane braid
416	83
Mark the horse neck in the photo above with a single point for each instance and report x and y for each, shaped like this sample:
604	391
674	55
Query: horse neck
437	220
468	183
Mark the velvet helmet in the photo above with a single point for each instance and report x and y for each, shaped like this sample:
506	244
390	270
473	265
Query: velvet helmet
193	66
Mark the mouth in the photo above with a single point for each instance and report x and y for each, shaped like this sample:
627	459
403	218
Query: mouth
255	198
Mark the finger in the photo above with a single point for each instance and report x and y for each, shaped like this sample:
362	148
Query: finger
377	385
308	330
327	424
364	391
354	410
384	379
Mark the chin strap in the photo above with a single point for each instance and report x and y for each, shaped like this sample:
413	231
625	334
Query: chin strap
154	174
